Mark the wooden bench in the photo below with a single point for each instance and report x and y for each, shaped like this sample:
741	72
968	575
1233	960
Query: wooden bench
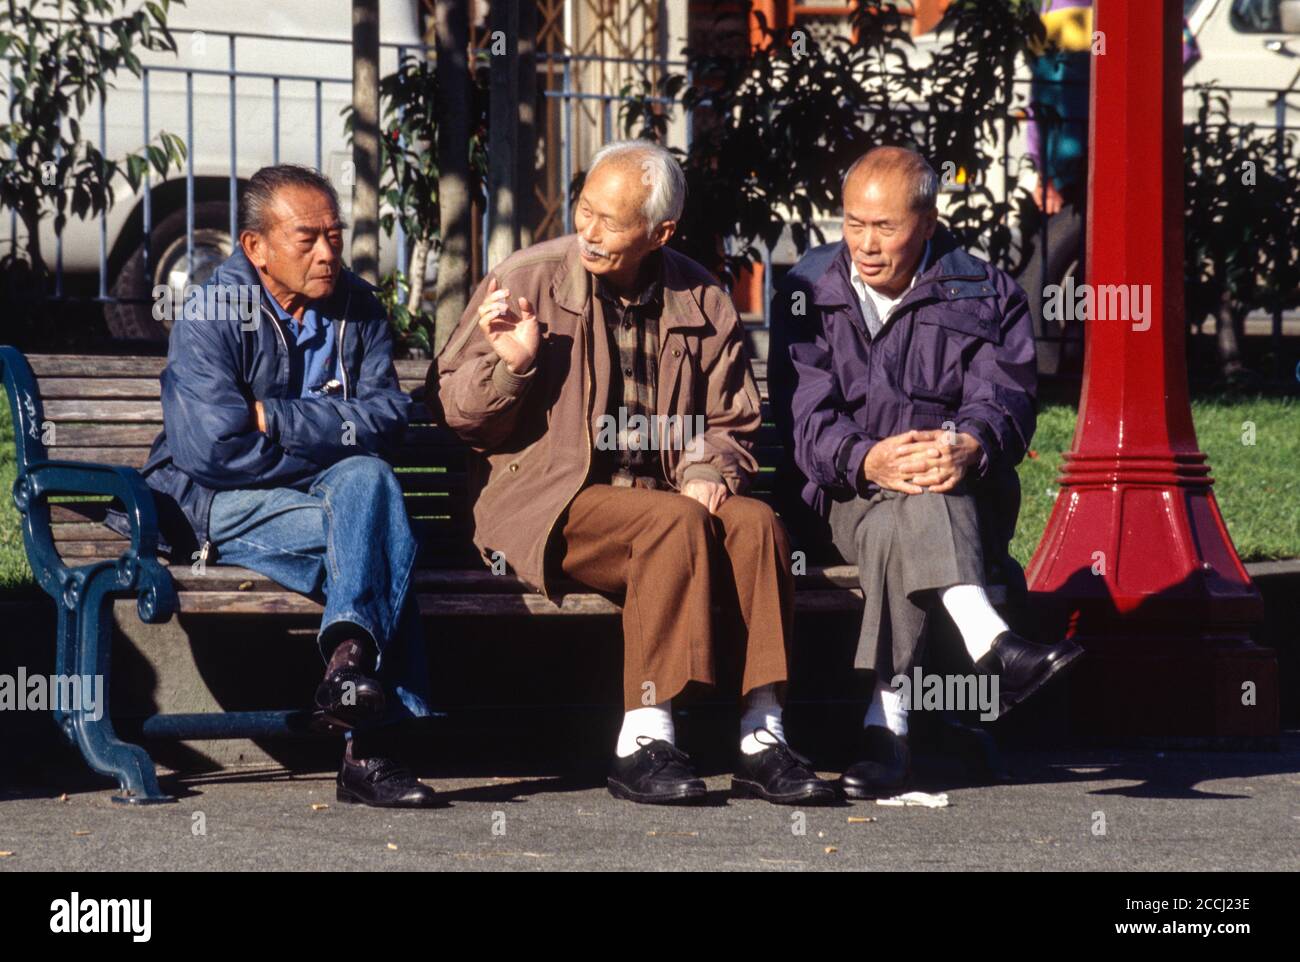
83	426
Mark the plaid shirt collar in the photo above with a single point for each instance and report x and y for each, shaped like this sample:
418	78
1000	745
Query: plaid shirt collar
652	292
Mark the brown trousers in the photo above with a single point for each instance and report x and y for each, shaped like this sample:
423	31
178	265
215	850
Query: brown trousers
673	561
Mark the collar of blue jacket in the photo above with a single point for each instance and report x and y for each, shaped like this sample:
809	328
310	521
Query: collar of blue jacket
312	348
951	274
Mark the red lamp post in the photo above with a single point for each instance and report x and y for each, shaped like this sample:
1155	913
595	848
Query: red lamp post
1136	562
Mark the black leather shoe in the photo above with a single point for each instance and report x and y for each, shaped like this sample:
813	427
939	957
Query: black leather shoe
348	697
885	768
657	773
383	783
780	775
1024	666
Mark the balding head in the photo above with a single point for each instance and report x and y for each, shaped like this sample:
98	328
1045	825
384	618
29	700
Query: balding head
889	214
899	167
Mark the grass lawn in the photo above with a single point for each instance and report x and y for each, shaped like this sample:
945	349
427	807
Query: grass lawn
1256	485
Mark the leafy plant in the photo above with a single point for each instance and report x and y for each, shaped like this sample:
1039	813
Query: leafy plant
60	61
826	102
1241	224
409	186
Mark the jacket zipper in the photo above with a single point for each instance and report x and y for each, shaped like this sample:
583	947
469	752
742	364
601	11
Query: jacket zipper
342	333
283	342
586	407
343	328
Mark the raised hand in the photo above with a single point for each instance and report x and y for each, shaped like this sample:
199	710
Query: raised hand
514	337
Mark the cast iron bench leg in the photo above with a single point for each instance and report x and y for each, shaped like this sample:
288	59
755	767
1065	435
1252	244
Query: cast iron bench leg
91	623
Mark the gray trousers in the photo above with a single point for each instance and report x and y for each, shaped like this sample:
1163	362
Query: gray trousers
906	546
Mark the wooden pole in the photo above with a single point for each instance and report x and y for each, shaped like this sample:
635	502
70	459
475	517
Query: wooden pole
451	40
503	133
365	139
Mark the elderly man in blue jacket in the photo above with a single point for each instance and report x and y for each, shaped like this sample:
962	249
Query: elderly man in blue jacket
280	402
904	369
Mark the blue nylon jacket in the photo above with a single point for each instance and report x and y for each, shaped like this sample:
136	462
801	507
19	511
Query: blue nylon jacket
217	366
959	347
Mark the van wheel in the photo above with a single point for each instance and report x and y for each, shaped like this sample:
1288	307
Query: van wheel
170	268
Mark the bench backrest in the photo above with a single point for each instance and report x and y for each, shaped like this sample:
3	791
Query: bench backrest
107	410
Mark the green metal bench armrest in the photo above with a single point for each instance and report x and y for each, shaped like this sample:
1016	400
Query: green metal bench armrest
137	568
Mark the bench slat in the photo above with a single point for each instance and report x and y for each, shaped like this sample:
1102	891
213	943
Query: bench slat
75	511
101	435
93	365
99	387
416	456
142	435
262	603
89	365
96	411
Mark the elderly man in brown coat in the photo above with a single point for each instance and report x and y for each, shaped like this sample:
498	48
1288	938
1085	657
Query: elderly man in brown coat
602	378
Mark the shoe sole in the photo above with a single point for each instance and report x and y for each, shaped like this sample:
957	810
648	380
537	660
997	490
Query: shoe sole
349	797
681	797
741	788
1053	671
862	793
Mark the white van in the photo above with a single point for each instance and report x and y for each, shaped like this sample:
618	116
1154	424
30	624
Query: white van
293	60
1247	43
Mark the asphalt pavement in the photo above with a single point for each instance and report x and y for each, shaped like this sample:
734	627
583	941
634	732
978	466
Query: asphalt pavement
1075	810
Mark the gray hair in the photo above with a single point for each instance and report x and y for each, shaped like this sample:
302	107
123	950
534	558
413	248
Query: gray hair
259	193
660	170
880	160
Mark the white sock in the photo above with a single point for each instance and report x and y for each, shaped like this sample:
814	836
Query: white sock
887	709
653	721
974	617
762	710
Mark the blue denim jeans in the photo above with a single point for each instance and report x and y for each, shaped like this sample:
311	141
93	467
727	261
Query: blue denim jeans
345	541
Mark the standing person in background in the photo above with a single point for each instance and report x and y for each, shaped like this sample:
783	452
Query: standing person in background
1057	145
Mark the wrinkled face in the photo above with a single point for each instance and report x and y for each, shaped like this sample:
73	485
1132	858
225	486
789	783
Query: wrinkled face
611	228
301	252
884	233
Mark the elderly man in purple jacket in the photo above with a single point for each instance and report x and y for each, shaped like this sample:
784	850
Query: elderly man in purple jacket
903	367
